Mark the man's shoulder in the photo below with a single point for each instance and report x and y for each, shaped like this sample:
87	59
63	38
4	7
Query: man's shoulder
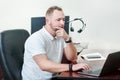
37	33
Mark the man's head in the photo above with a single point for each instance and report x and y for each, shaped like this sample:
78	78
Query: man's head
55	17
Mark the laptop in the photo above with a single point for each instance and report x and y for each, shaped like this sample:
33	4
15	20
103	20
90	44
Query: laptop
108	66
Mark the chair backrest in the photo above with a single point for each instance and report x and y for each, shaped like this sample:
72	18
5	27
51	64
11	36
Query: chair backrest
38	22
12	52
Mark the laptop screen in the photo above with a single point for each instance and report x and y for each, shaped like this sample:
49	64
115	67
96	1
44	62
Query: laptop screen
111	64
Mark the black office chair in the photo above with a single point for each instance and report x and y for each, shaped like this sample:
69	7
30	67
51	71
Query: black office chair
11	52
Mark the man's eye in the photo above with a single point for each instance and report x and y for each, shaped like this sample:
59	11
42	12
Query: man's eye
61	20
58	19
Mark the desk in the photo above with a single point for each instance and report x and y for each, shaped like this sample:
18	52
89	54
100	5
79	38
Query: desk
77	76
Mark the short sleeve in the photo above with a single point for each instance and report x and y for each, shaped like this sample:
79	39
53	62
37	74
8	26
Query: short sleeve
35	45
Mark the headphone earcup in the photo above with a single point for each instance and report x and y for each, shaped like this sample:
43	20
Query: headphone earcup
79	31
72	29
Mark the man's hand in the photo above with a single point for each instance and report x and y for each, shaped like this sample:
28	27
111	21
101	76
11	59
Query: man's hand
81	66
61	33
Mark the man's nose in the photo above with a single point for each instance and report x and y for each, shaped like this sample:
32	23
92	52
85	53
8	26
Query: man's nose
62	22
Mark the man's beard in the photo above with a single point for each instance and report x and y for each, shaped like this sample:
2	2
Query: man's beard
53	28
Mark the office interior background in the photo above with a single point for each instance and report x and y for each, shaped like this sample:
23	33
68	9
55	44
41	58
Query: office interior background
102	18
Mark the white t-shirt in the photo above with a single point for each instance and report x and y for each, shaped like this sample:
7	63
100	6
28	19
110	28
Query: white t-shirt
41	42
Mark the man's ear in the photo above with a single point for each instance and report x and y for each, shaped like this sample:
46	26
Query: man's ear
47	21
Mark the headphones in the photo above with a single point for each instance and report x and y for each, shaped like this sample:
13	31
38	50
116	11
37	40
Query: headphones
81	29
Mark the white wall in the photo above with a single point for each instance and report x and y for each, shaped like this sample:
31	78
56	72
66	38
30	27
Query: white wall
101	16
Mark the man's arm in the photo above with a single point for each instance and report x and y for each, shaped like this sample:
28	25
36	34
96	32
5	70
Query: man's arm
70	52
46	65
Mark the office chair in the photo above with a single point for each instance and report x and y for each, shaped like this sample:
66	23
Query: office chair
11	53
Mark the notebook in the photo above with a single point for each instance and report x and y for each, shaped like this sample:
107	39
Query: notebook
110	65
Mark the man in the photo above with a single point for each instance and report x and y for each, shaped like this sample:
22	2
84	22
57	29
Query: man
44	49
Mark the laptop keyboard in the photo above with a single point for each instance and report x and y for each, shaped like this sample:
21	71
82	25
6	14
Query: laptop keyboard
93	72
